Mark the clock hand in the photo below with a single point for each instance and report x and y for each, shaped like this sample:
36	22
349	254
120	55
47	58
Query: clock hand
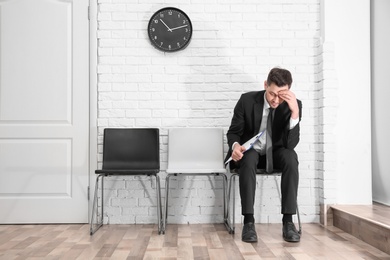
179	27
169	29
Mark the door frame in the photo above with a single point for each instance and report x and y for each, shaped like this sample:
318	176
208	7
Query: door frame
93	101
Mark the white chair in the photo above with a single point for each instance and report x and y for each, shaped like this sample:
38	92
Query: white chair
195	151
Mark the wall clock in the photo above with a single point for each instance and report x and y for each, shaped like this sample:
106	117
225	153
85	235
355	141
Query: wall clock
170	29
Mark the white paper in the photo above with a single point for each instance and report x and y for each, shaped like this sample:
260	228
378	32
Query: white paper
248	144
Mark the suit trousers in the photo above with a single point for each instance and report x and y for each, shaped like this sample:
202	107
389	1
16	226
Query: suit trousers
285	160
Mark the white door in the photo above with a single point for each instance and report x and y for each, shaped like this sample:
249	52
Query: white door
44	111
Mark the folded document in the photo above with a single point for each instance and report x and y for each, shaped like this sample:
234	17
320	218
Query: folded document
248	144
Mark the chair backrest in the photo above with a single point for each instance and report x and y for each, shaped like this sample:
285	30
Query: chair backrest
131	149
195	150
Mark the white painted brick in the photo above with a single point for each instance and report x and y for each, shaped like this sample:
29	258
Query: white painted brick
191	96
124	202
104	52
234	45
141	219
103	7
120	219
296	8
124	16
186	211
112	60
139	113
125	193
112	113
146	202
113	183
213	210
129	211
109	25
104	17
111	43
114	122
164	113
112	211
177	104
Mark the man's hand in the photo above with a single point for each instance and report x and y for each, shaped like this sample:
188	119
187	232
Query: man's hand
238	152
291	100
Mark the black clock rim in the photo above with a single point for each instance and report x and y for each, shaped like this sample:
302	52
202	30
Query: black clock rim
178	10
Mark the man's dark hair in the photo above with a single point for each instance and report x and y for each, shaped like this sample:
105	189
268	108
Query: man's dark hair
280	77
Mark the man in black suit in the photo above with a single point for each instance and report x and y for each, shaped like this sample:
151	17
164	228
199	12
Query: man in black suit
250	117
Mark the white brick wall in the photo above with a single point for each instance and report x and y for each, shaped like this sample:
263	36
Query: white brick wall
234	45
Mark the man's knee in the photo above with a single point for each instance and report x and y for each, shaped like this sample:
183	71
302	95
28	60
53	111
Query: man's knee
249	160
288	158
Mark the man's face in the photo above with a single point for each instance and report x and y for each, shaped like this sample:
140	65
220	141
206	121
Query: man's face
272	94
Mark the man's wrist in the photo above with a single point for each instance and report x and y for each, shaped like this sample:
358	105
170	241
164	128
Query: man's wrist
293	122
294	114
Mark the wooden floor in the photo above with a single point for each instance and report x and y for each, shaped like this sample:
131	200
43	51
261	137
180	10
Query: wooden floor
195	241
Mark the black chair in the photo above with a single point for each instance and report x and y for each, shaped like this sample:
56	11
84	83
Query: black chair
128	151
232	192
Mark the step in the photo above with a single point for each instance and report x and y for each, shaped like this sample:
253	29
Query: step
369	223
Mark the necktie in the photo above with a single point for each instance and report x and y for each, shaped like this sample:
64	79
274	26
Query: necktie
259	146
268	149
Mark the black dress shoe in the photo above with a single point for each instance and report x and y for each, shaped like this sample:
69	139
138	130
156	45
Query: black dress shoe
290	234
249	233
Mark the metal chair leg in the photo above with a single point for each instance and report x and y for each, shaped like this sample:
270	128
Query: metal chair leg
225	209
225	205
299	221
226	196
233	180
230	225
159	210
95	206
166	201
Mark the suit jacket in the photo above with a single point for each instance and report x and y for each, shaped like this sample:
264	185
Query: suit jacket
247	117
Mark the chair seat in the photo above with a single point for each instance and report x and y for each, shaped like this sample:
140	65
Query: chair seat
261	171
127	172
197	171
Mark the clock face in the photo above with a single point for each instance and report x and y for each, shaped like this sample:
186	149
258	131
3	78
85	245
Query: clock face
170	29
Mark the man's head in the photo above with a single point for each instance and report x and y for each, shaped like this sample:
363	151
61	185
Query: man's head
278	81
